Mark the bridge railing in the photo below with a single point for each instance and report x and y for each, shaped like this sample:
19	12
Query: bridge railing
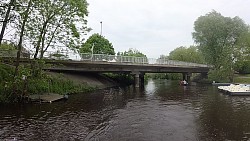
113	58
107	58
135	60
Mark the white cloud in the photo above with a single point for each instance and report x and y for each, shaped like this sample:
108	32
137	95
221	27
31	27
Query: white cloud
155	27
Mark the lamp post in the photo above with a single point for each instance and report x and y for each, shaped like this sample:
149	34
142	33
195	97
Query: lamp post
101	28
92	51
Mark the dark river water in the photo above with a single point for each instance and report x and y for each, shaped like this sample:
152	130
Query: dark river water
161	111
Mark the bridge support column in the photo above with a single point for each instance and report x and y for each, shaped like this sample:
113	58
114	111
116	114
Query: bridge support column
142	79
186	76
139	79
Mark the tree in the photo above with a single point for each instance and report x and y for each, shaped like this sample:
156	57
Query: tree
25	17
217	38
57	22
6	46
6	19
99	45
132	52
243	58
191	54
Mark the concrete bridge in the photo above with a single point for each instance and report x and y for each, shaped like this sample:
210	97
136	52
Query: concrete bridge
138	70
136	66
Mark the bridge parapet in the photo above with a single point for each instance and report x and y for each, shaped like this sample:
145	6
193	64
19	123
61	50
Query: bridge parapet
108	58
136	60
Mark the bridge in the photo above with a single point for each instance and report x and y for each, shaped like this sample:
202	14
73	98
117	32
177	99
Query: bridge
102	63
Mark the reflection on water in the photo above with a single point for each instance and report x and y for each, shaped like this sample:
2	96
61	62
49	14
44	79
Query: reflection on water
162	110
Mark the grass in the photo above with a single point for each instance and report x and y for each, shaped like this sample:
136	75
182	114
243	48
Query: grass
242	78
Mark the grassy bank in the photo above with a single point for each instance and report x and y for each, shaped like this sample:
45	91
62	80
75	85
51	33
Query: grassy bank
242	78
16	89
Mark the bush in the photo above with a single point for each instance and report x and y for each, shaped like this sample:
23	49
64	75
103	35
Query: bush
219	75
14	90
245	68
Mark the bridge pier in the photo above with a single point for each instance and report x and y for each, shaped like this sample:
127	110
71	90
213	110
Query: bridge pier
139	79
186	76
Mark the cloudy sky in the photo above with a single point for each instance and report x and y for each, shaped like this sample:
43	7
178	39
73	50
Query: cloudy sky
156	27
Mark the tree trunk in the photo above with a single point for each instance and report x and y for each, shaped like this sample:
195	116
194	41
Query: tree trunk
21	38
40	38
52	37
6	19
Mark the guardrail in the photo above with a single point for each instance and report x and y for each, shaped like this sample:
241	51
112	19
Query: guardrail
106	58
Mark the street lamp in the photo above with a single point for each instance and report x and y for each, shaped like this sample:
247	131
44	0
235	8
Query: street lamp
101	28
92	51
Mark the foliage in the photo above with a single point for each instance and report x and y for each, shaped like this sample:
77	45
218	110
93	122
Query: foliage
33	85
169	76
49	22
6	46
242	79
52	84
163	57
5	16
97	44
58	56
218	38
243	67
158	75
191	54
5	73
220	75
132	52
242	63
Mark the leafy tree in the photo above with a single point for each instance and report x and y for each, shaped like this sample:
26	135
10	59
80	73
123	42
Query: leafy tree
132	52
99	45
57	22
23	22
242	62
6	46
191	54
6	17
163	57
217	38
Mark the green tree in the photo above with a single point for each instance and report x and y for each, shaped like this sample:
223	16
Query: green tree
132	52
217	38
19	46
191	54
6	46
243	59
99	45
6	17
57	22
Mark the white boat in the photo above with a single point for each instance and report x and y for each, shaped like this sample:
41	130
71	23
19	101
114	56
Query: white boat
232	89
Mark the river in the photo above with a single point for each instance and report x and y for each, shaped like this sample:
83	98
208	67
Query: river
160	111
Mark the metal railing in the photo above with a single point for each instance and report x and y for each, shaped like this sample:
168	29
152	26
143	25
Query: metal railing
106	58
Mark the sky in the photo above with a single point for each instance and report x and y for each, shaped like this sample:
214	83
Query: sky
155	27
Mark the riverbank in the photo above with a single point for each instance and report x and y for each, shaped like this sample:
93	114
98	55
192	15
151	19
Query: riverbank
95	80
25	84
242	78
